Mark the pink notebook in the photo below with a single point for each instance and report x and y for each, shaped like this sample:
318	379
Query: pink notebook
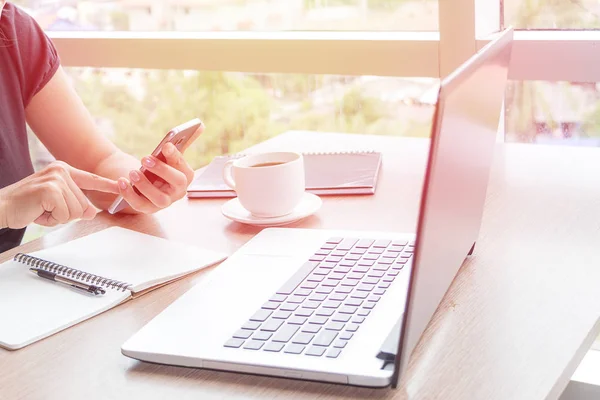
326	174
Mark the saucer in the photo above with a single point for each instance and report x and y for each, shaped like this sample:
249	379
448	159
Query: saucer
309	204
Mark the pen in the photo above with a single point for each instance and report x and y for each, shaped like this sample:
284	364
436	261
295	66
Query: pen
67	281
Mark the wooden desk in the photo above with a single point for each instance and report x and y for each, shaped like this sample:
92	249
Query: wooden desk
514	325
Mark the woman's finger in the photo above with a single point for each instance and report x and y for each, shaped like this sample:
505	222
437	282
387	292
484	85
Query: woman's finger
134	200
151	192
176	160
167	173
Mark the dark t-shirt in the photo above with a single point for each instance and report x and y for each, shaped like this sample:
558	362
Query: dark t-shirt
27	62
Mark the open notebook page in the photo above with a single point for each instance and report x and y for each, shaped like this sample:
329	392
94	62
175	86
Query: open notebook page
33	308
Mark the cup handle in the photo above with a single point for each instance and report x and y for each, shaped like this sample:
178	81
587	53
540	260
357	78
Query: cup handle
227	176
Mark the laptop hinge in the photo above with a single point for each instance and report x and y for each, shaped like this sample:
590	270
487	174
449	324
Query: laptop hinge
389	348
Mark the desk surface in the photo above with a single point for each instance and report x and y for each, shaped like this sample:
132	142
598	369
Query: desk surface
514	325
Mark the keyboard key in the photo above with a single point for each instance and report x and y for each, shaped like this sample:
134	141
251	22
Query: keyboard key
315	351
261	315
274	347
288	307
298	277
378	291
340	344
350	282
406	255
374	298
335	326
261	335
303	338
302	292
382	243
318	297
324	290
318	320
322	252
316	258
381	267
354	275
346	244
363	313
376	251
321	271
383	285
325	338
390	254
347	310
353	257
339	253
346	335
365	287
251	325
410	250
393	273
358	320
327	265
361	269
309	285
294	349
278	298
376	274
311	328
338	297
311	304
344	289
337	275
332	304
352	327
282	314
304	312
328	246
397	267
348	263
234	343
270	305
333	353
386	261
358	250
341	318
333	259
254	345
399	243
285	333
359	295
334	240
369	305
342	270
368	258
371	280
331	283
353	302
296	299
401	261
242	334
389	278
297	320
327	312
271	325
364	243
315	278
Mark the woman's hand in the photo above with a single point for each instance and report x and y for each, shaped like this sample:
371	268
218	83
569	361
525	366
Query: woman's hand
175	175
51	196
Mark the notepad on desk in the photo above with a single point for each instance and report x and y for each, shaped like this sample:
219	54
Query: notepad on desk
338	173
124	262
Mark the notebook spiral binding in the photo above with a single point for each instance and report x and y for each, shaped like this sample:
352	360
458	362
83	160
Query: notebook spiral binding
71	272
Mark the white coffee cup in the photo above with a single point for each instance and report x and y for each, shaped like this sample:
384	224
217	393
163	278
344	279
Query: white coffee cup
268	184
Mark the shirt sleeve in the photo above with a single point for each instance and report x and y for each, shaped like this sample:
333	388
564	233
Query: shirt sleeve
38	57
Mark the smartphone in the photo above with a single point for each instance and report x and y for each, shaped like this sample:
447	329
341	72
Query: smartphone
182	137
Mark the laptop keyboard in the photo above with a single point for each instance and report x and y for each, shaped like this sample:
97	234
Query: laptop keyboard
318	310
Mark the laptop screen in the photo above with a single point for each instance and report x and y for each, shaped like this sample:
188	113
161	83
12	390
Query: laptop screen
462	145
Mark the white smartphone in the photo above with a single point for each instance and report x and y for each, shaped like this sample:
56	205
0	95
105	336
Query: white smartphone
181	136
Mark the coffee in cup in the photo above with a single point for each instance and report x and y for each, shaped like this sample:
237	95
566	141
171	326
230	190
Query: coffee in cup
269	184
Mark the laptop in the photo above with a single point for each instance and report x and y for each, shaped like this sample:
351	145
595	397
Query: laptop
347	306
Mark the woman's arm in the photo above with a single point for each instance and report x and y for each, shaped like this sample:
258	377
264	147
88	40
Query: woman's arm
62	122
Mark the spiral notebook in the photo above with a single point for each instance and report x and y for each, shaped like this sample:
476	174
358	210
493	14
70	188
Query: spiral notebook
352	172
125	263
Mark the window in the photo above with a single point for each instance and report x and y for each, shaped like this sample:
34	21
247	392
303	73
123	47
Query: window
238	15
552	14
